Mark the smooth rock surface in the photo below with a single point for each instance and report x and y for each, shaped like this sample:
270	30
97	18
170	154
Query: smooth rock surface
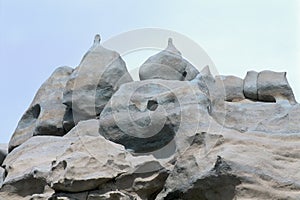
46	112
250	85
93	82
273	86
146	116
168	65
233	87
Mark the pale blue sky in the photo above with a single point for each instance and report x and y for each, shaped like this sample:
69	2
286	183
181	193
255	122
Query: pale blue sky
38	36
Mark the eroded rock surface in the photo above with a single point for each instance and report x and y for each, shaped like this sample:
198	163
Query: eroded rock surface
92	83
232	86
3	152
235	165
268	86
159	111
179	134
46	112
168	65
2	176
28	165
257	116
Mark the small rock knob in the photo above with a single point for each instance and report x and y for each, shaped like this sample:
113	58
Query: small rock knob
97	39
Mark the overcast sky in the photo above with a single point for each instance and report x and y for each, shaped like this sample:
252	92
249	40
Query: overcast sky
39	36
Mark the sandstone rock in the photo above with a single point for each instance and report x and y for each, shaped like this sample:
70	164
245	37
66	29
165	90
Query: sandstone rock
28	165
2	176
268	86
146	116
70	196
250	85
93	82
258	116
77	169
111	195
46	112
169	65
195	136
233	87
236	165
214	87
3	152
194	179
273	86
84	128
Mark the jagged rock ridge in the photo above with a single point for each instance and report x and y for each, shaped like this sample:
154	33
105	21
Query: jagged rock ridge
94	133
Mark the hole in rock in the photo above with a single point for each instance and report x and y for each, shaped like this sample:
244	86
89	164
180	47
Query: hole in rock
30	116
184	74
36	110
152	105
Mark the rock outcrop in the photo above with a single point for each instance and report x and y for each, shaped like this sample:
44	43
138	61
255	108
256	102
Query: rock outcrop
159	111
3	152
92	83
168	65
92	133
268	86
45	114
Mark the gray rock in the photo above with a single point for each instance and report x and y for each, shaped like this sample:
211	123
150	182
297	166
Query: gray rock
212	86
29	164
146	116
111	195
3	152
250	85
2	176
84	128
233	87
77	168
236	166
92	83
46	112
169	65
258	116
273	86
70	196
268	86
194	179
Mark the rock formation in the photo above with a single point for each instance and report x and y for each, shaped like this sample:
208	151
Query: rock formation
92	83
45	114
92	133
169	65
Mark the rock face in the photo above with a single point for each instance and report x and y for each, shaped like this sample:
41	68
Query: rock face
233	87
2	176
250	85
28	165
268	86
267	117
3	152
160	110
46	112
93	133
231	166
92	83
168	65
